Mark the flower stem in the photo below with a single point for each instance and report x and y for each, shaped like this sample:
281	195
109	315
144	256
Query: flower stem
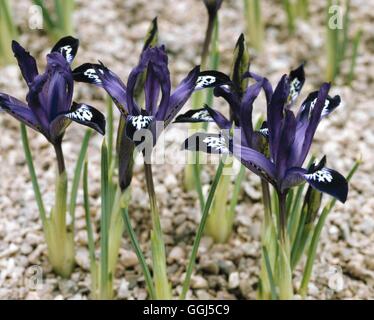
268	241
207	40
200	230
60	157
284	264
162	285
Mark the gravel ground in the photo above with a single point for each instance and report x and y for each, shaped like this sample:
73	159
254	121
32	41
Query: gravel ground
112	31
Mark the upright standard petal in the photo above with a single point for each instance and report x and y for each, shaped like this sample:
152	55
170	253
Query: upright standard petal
60	93
266	85
314	120
180	96
286	140
158	62
36	100
246	108
275	114
26	62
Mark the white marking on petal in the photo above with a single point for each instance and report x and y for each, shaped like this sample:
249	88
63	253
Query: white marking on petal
140	122
217	143
324	175
265	131
66	51
325	110
91	74
83	113
204	81
294	89
202	115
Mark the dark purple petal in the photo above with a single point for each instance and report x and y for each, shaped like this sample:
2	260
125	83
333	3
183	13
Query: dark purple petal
233	99
151	90
180	96
275	114
321	178
25	61
36	100
246	108
60	93
87	73
211	79
88	116
114	86
266	86
331	103
287	137
207	142
19	110
158	58
314	120
219	118
125	150
68	47
255	161
158	62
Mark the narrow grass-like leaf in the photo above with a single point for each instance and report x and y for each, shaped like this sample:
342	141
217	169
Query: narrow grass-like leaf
139	253
34	179
195	248
77	175
236	191
355	46
8	32
316	236
270	273
104	222
90	236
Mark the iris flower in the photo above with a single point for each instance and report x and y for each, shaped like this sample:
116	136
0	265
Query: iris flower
240	101
289	136
161	105
49	108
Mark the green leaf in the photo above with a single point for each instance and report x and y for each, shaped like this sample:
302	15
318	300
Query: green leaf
195	247
270	273
77	175
316	236
34	179
90	236
104	223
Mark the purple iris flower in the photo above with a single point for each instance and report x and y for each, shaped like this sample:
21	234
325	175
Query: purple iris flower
160	104
49	107
289	139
